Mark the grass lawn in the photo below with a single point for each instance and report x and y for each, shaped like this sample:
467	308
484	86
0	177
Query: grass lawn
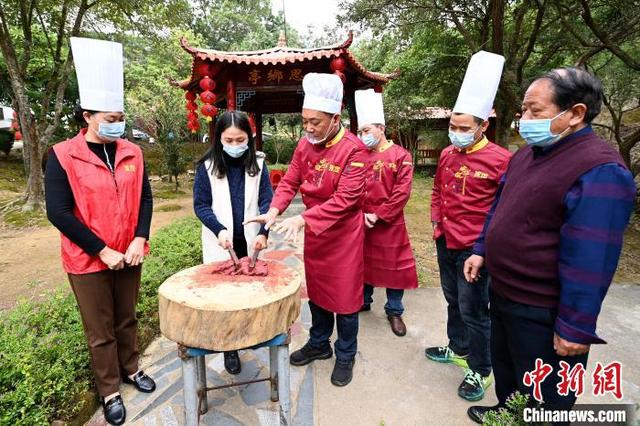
418	216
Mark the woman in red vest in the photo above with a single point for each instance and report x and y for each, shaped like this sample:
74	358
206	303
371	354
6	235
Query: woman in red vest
99	197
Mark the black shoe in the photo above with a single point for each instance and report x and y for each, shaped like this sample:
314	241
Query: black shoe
232	362
142	382
308	353
477	412
342	372
365	307
114	411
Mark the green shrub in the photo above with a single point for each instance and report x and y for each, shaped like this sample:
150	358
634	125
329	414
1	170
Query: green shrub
44	361
513	415
279	149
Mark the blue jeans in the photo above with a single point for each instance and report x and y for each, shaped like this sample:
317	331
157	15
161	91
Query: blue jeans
468	321
394	300
322	322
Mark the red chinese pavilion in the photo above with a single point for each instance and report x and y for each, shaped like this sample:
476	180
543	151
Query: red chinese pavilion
268	81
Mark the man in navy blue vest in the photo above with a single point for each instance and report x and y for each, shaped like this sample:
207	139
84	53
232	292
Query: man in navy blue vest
552	239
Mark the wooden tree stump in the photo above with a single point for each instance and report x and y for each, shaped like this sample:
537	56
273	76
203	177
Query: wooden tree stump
202	309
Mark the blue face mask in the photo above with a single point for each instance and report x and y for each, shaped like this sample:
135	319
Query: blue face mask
462	140
370	141
235	151
538	132
111	131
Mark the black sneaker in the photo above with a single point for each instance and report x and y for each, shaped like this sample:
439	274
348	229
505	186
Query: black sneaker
342	372
477	412
232	362
473	386
308	353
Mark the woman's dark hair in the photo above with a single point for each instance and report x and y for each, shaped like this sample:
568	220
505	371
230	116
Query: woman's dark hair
573	86
78	116
239	120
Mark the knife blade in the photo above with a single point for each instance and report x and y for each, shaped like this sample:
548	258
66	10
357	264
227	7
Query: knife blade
234	257
254	258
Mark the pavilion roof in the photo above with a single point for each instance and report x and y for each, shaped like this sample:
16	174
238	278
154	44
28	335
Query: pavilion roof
281	55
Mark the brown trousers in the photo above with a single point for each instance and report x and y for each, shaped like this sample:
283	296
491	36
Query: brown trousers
107	302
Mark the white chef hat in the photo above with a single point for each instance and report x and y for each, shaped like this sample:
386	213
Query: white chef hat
100	74
480	85
369	107
322	92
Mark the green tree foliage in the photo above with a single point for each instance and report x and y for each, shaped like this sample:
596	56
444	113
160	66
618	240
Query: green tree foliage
430	42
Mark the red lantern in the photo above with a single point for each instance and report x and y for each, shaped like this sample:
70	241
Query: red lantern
190	96
338	64
208	111
194	126
208	97
342	76
207	84
192	106
202	69
192	116
18	136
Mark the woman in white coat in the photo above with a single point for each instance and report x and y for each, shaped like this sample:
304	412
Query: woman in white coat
231	184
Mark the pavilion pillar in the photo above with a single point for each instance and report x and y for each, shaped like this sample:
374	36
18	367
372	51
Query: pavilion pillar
231	95
258	131
351	106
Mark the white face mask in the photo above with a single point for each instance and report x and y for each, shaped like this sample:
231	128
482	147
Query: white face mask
312	139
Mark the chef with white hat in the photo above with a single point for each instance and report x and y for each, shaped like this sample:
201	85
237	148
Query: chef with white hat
328	169
388	258
99	197
465	185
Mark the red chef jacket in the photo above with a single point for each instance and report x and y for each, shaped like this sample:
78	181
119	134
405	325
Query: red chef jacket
388	258
331	179
464	189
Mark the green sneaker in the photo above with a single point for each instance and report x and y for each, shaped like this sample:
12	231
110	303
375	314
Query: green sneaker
473	386
446	355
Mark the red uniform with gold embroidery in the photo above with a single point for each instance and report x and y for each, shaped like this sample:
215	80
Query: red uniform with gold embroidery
464	189
331	179
388	259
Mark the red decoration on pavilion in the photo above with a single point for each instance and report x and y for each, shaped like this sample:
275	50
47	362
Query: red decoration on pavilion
202	69
209	111
338	64
192	106
208	98
342	76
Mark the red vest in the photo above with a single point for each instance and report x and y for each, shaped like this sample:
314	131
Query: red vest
108	205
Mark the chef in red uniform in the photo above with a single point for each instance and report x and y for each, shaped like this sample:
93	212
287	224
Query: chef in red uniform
329	170
465	185
388	259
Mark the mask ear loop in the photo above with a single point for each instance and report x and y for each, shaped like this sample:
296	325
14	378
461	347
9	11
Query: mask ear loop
559	135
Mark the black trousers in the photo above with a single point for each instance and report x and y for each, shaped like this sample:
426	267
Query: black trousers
322	323
468	323
519	335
